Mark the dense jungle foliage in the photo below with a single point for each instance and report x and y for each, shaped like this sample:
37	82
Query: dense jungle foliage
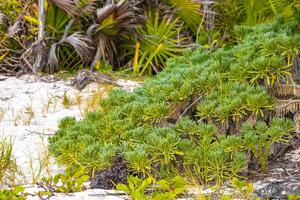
136	34
201	117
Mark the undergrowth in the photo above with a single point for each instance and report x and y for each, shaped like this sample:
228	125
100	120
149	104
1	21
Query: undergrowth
150	189
202	116
9	170
13	194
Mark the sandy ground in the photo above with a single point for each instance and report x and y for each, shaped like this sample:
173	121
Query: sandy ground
90	194
30	112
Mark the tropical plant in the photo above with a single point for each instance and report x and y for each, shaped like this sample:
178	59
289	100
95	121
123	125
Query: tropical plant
159	40
114	25
252	12
13	194
66	28
163	189
188	118
234	101
136	188
259	138
71	181
188	12
11	8
12	36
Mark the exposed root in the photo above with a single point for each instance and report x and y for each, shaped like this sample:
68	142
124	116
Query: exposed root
84	77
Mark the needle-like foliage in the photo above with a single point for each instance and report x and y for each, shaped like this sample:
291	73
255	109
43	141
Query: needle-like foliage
188	118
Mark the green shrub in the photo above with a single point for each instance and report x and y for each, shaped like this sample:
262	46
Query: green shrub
149	188
258	138
13	194
188	117
71	181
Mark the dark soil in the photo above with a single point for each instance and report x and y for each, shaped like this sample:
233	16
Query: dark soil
108	178
283	175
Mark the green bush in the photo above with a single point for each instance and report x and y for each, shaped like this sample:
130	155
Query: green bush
188	118
71	181
13	194
151	189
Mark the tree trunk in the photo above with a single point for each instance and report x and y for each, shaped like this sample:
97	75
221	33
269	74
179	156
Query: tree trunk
209	15
40	41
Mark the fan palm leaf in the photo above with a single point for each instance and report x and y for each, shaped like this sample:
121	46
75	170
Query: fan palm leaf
188	11
77	7
81	44
158	41
67	5
114	24
4	20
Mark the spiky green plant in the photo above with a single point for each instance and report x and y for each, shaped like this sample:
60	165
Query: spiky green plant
253	12
259	138
159	40
188	11
176	122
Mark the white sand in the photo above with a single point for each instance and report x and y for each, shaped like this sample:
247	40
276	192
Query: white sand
30	112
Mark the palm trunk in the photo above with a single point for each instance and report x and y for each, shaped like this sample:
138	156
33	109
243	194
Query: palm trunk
40	41
209	16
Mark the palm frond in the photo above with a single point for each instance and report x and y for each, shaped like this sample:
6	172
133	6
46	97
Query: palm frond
67	5
188	11
56	22
114	24
283	7
104	12
90	6
82	45
4	20
15	28
159	41
53	62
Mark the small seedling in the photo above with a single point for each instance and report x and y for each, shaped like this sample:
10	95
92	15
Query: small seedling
66	102
15	117
79	103
71	181
92	103
30	115
47	105
8	165
41	165
78	99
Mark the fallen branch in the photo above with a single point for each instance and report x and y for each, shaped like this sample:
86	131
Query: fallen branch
84	77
